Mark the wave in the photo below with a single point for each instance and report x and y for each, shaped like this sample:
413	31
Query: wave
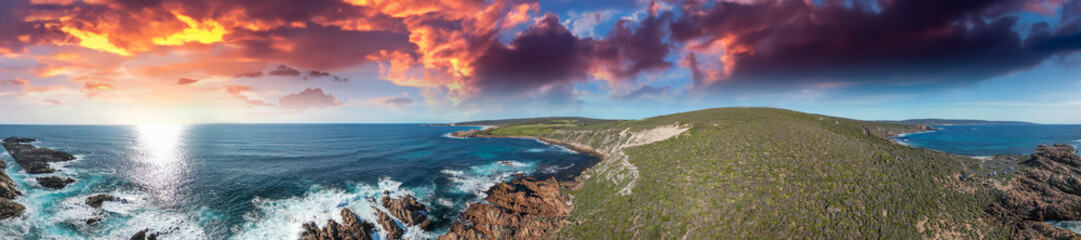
283	218
63	216
478	179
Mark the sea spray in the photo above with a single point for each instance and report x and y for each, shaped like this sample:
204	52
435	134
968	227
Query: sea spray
283	218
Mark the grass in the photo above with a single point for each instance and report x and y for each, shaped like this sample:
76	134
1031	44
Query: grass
770	173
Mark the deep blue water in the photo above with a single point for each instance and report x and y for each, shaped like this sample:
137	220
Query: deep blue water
988	140
260	181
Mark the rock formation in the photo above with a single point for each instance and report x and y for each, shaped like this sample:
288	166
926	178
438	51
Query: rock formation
353	228
143	235
407	210
96	200
393	231
8	208
1049	188
33	159
55	182
525	208
7	186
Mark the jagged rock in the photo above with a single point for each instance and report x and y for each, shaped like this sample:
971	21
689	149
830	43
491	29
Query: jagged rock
97	200
32	159
10	208
1049	188
7	186
355	226
393	231
526	208
143	235
353	229
55	182
407	210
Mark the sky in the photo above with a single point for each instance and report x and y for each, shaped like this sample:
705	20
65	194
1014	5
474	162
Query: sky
428	61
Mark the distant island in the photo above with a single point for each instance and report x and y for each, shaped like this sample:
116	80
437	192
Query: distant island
947	122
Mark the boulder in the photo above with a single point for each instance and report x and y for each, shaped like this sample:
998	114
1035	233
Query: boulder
9	209
393	231
353	228
55	182
96	200
7	186
408	210
143	235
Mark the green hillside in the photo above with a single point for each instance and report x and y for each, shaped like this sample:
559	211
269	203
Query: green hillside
766	173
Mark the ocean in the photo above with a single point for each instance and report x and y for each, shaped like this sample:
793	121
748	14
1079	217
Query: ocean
261	181
988	140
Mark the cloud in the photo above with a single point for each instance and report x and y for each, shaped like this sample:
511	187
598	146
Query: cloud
186	81
583	24
239	92
395	102
883	44
308	99
52	102
646	93
283	70
255	74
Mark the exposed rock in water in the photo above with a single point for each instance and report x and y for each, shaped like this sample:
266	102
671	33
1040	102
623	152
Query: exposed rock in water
10	208
8	192
353	228
393	231
32	159
96	200
1049	188
55	182
408	210
526	208
143	235
7	186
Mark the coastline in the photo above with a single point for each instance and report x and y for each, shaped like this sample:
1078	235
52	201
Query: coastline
524	207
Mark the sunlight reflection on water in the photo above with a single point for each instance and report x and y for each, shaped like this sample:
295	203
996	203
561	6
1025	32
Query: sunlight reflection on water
160	162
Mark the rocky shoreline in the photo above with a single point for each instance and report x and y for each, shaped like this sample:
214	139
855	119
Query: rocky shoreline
406	209
1047	188
524	208
33	160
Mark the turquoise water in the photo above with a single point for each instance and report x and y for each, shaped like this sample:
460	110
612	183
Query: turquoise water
988	140
260	181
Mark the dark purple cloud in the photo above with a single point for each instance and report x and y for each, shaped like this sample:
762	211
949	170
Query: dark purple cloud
924	43
308	99
545	54
284	71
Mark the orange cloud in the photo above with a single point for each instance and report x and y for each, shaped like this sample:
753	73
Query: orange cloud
206	32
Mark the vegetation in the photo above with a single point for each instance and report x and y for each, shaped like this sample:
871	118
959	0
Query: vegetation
535	126
769	173
577	121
